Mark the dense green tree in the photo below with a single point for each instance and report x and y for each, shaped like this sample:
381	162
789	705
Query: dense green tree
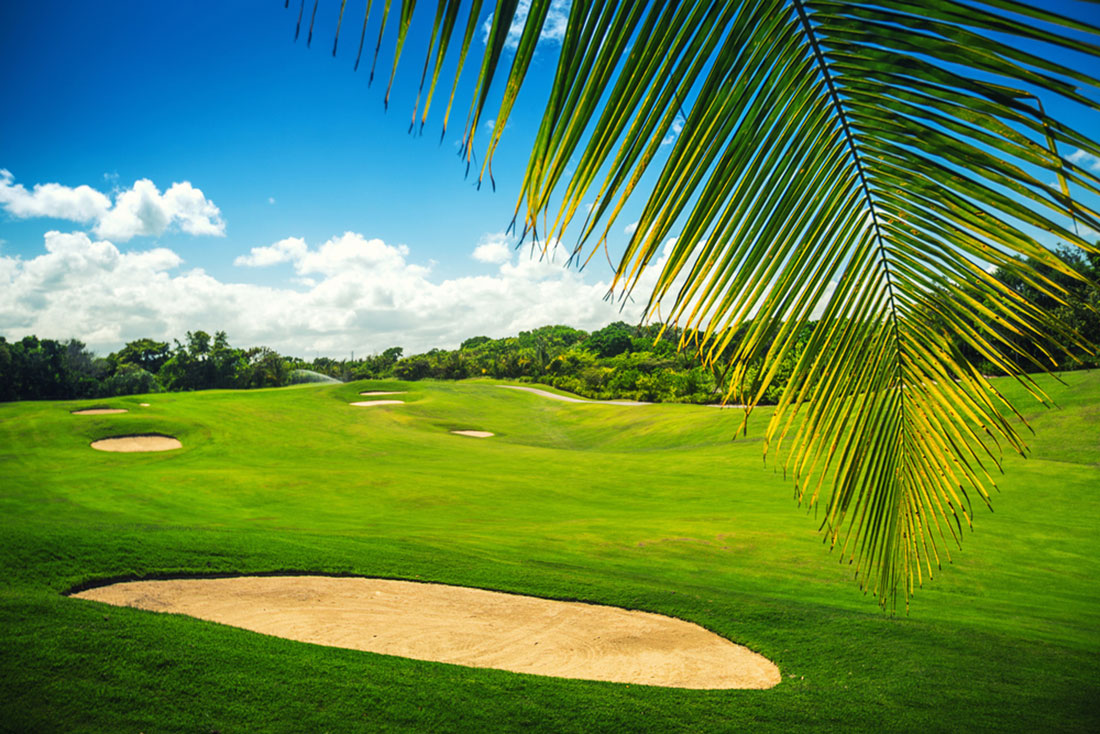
474	341
148	354
129	379
263	367
611	340
33	368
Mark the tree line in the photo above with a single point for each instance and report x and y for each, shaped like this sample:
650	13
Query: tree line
47	369
619	361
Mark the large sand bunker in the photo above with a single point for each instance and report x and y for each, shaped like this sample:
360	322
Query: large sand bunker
568	398
100	411
383	392
372	403
131	444
473	434
454	624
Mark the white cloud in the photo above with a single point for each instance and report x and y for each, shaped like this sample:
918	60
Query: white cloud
494	249
82	204
823	302
552	30
349	293
140	210
352	252
674	131
631	228
288	250
144	211
1085	160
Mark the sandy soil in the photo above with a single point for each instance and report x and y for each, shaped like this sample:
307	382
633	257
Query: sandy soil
129	444
100	411
144	405
452	624
384	392
474	434
570	399
372	403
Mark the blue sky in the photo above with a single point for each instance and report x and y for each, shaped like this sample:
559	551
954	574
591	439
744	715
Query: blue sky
285	142
269	143
219	95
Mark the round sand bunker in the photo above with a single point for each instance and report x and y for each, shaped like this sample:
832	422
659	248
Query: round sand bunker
372	403
133	444
384	392
100	411
454	624
474	434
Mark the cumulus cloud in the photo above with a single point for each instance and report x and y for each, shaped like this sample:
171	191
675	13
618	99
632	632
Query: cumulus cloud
631	228
144	211
80	204
493	249
1085	160
350	293
138	211
351	252
288	250
552	30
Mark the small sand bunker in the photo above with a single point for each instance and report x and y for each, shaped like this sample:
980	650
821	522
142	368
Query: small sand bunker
100	411
454	624
372	403
383	392
474	434
144	405
131	444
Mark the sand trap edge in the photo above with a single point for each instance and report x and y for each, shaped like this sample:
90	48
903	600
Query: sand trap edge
372	403
98	411
137	443
474	434
369	393
300	610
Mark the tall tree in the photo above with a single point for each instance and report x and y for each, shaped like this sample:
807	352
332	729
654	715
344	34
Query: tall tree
834	165
147	354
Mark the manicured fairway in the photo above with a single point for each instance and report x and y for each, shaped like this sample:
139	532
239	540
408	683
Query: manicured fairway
646	507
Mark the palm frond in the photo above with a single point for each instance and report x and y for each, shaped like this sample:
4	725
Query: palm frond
854	168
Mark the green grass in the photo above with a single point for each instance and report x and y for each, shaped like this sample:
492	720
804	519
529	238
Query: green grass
645	507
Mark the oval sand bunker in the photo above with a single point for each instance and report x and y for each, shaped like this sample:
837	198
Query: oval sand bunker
473	434
372	403
132	444
454	624
384	392
100	411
